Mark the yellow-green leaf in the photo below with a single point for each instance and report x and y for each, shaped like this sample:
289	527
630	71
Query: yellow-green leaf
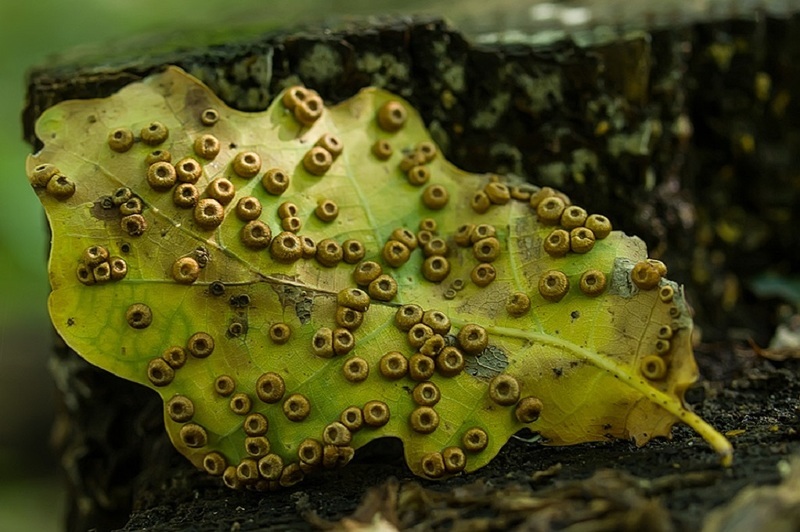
146	294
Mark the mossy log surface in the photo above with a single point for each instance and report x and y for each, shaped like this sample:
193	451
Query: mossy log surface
684	136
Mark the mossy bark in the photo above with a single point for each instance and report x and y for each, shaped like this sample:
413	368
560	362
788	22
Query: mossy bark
671	133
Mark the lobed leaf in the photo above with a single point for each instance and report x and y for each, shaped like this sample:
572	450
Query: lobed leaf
584	362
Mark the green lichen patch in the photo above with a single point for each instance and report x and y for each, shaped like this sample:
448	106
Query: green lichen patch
298	282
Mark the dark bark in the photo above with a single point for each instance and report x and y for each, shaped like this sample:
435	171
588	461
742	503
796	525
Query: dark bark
610	123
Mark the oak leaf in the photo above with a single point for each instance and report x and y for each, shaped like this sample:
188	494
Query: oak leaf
214	256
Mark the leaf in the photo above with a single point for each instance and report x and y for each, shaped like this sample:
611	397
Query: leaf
598	361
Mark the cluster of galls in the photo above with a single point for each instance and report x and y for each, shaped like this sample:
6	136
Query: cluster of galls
306	104
655	367
96	266
482	238
402	242
647	275
497	193
307	107
130	207
391	117
181	179
286	247
577	231
209	207
161	370
415	165
352	304
261	469
554	284
380	286
54	183
320	158
435	350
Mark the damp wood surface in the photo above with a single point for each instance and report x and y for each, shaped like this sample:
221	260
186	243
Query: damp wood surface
481	111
